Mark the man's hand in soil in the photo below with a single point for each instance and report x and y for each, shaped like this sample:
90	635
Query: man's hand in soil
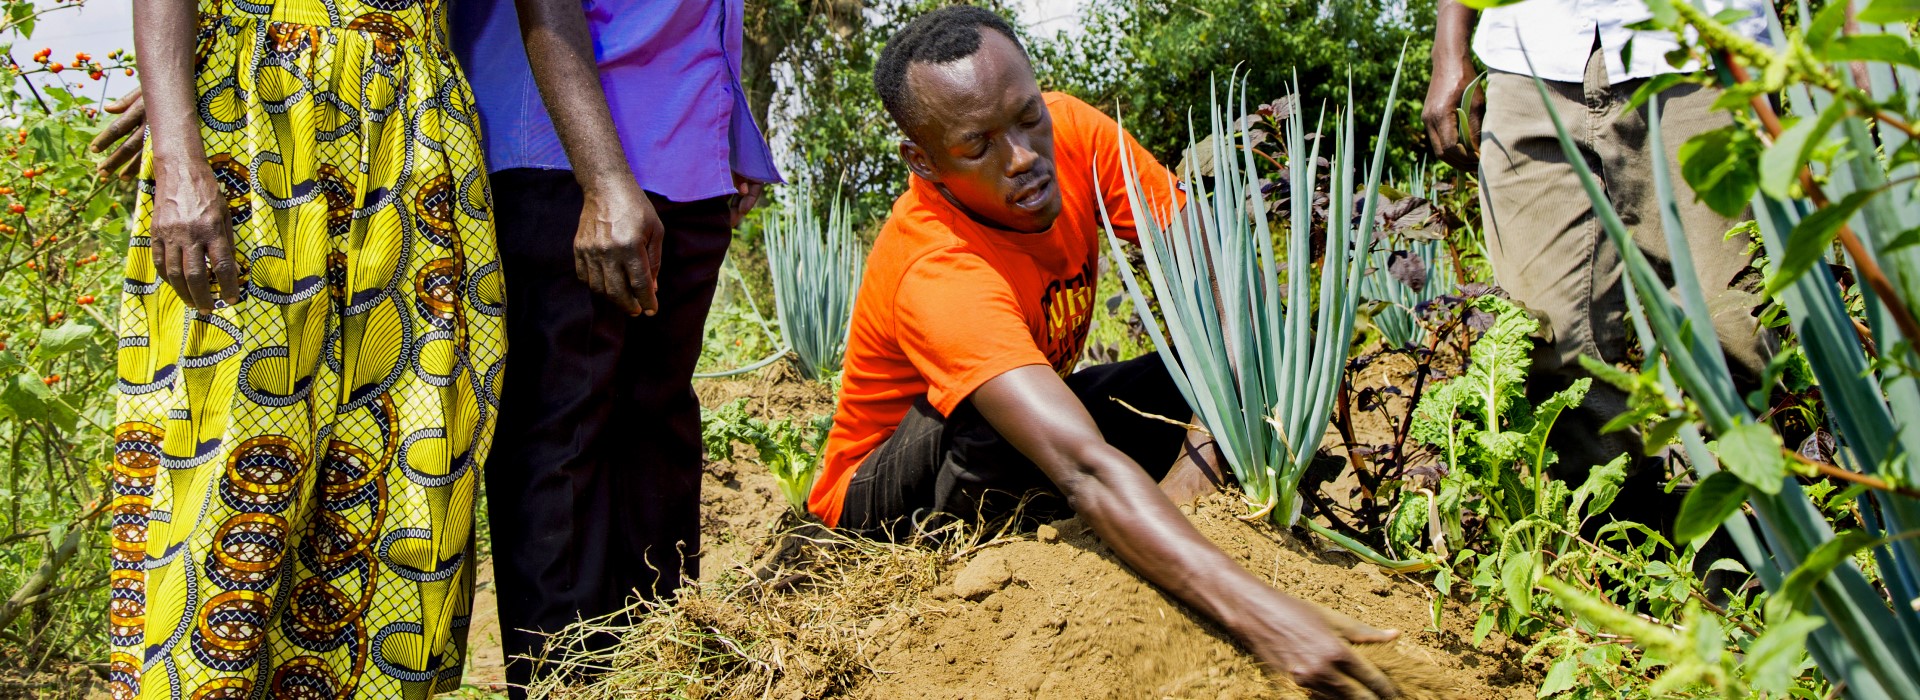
1035	411
1453	73
130	130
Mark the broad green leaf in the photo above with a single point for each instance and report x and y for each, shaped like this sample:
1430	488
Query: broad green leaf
1880	48
30	400
1707	506
1659	435
1752	452
1663	12
1812	237
1654	86
1777	656
1780	166
1483	626
1826	24
1722	167
1516	577
1906	239
1559	677
1890	11
1820	563
1600	488
63	339
1610	374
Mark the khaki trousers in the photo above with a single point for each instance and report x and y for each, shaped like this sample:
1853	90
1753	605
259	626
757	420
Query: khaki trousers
1548	249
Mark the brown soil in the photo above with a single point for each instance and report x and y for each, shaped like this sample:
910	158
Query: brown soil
1073	622
1046	615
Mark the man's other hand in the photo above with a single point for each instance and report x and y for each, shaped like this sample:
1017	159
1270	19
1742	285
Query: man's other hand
1453	75
616	250
1445	96
746	196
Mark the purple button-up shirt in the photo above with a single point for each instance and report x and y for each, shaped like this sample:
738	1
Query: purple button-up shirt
670	69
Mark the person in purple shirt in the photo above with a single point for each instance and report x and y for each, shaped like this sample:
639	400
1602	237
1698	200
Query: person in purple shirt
622	154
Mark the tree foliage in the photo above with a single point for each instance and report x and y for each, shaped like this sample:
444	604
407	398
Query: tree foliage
1150	60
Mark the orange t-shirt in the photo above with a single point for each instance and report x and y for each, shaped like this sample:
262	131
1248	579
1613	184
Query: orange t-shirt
948	304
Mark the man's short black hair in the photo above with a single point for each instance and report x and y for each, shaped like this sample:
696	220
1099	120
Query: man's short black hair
941	36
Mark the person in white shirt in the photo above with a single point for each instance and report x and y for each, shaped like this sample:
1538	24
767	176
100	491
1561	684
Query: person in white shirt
1544	243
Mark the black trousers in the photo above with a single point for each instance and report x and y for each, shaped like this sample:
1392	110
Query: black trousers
960	466
594	479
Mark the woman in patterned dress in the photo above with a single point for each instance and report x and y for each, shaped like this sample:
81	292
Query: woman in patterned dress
310	342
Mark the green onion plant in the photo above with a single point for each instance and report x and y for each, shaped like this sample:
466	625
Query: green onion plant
1257	341
816	264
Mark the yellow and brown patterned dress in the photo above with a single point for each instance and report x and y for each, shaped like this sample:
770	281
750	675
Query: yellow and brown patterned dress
295	474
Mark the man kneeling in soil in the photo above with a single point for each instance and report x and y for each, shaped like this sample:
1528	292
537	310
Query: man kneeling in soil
958	397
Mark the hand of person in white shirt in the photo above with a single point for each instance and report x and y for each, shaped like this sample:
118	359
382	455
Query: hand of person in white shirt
1453	74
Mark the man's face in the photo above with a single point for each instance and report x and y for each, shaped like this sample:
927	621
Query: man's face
983	134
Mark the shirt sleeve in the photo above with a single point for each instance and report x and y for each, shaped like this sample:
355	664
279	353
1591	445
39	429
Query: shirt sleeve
960	326
1102	137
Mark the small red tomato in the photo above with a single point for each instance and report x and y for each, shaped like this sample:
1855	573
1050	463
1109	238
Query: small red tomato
6	190
29	173
50	379
41	55
55	67
95	75
81	57
56	317
85	299
31	265
129	72
17	208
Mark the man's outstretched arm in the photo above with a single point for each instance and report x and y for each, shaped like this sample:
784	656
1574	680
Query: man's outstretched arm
1035	411
616	249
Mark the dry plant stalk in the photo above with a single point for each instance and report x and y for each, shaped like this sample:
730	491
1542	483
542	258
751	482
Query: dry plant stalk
795	630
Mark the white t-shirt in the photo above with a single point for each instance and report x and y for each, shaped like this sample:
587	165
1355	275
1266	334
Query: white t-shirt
1558	35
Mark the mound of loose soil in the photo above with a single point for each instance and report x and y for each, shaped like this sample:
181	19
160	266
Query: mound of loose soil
1060	617
1048	615
1051	614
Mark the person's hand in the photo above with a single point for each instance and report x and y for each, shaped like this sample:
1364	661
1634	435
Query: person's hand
130	130
1446	95
1197	472
1310	643
192	238
745	197
617	248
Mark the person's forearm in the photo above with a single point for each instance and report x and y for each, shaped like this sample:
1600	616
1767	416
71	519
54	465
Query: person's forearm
1127	510
560	50
163	33
1452	33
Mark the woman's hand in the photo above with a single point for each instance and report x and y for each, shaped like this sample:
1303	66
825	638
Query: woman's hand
192	240
130	130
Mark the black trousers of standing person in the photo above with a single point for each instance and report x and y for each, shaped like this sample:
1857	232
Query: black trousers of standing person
960	466
594	481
